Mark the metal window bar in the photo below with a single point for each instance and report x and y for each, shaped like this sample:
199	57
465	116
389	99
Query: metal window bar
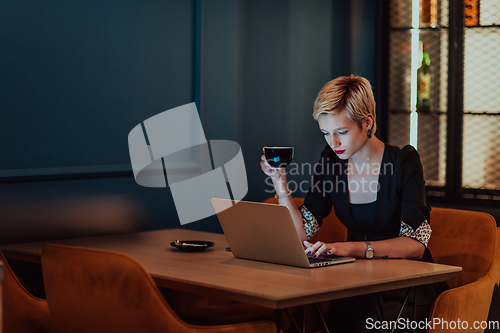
457	139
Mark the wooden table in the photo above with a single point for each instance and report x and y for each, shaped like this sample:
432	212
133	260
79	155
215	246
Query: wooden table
216	272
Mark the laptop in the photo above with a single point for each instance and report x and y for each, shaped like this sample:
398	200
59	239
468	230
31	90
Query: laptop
265	232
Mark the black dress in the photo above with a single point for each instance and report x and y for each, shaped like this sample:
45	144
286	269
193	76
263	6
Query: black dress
401	209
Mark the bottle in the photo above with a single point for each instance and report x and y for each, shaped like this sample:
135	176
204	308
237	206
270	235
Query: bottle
424	82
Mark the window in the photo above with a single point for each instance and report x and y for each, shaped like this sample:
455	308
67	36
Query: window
457	137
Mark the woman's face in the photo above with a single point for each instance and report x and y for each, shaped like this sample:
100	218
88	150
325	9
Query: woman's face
342	134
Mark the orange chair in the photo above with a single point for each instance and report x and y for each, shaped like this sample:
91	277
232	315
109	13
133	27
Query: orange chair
467	239
99	291
22	312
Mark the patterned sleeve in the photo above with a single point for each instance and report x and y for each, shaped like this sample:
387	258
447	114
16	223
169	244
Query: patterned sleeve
415	212
422	234
311	225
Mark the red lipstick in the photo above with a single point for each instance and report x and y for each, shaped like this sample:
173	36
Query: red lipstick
339	152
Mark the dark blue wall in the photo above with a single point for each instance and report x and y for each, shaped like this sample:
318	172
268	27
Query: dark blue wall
77	76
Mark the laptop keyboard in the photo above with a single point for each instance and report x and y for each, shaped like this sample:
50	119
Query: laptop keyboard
317	260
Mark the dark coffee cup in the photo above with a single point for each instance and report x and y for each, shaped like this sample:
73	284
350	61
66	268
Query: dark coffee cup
278	157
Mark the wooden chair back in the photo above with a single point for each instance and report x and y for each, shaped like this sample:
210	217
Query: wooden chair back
463	238
22	312
470	240
90	290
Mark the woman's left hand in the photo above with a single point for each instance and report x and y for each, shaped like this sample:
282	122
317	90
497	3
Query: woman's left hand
343	249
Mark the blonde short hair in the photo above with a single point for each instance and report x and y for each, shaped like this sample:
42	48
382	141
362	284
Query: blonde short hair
352	94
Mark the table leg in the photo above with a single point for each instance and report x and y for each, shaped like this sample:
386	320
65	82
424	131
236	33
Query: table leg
277	320
401	309
303	308
321	317
415	307
302	313
292	320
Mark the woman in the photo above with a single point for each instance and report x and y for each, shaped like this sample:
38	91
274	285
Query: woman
377	191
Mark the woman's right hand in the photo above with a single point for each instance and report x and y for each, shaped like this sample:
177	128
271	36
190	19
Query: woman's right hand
274	173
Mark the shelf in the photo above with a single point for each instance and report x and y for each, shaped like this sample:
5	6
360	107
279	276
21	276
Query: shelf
469	113
422	28
482	26
472	113
408	112
446	27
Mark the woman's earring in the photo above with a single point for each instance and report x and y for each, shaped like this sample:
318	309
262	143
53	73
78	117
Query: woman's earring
369	134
